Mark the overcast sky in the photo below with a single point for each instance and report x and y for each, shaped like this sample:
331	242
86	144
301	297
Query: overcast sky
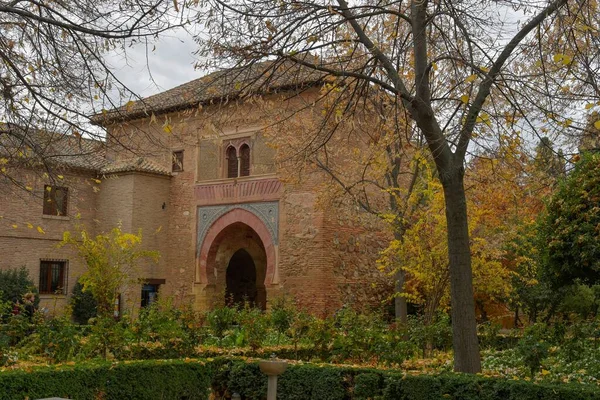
171	64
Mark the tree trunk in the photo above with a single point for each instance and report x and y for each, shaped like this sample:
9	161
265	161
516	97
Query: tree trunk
464	327
400	306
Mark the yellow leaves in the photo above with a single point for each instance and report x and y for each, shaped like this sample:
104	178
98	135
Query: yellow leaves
29	188
15	226
167	128
60	177
434	66
597	124
98	181
40	230
464	98
471	78
485	118
129	105
562	59
3	161
29	225
589	106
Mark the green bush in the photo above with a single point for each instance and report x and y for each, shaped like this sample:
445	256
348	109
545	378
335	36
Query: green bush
15	284
83	304
534	347
220	320
367	386
141	380
195	379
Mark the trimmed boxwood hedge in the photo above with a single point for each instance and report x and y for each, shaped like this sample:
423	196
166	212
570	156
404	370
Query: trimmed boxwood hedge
195	379
141	380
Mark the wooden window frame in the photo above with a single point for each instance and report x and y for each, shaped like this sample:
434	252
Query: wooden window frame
244	160
231	162
243	165
45	282
177	161
50	204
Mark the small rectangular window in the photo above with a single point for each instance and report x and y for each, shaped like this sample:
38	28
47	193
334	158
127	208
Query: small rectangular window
150	290
55	200
52	277
177	161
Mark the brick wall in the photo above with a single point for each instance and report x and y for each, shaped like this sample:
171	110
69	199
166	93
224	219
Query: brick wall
325	256
25	245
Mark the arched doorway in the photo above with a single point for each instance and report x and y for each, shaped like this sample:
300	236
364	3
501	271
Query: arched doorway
241	279
238	263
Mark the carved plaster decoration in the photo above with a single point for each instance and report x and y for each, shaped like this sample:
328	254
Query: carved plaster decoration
267	212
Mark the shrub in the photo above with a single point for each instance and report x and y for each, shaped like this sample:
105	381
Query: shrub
367	386
254	325
282	315
533	347
220	320
83	304
193	379
15	284
141	380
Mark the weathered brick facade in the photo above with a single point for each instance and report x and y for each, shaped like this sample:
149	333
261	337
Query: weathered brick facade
198	218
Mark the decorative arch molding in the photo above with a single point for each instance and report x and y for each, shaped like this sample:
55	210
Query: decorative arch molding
212	221
267	212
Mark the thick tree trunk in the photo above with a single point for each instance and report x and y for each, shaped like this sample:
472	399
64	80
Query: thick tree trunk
464	328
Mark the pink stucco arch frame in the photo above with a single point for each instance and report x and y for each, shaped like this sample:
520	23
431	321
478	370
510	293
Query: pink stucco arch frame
208	252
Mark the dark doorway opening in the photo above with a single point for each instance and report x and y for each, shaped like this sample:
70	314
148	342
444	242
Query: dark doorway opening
241	279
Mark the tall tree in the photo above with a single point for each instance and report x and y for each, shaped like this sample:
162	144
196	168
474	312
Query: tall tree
459	68
375	165
54	73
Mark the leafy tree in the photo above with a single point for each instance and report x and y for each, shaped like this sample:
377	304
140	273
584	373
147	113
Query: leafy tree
440	62
17	286
373	167
83	304
569	232
112	260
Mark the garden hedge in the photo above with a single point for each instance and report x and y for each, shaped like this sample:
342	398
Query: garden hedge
326	382
141	380
194	379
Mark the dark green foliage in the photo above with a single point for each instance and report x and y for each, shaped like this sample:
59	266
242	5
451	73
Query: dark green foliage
310	382
220	320
469	387
58	339
534	347
15	283
247	380
139	380
569	232
367	385
194	378
282	315
83	304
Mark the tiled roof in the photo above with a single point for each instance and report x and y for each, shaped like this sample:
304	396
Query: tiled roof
51	148
262	77
138	164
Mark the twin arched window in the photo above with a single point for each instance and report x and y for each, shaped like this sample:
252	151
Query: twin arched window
238	161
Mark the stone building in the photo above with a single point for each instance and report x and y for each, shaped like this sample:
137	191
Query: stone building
195	170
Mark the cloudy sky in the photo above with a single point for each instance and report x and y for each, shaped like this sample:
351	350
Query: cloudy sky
146	72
